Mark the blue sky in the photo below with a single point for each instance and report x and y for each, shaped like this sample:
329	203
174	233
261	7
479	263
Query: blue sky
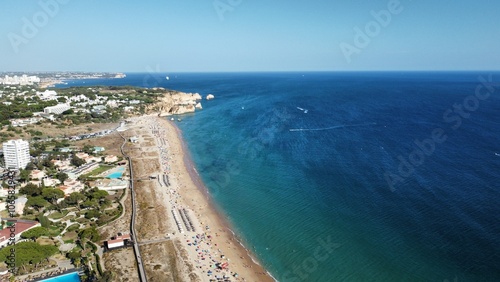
244	35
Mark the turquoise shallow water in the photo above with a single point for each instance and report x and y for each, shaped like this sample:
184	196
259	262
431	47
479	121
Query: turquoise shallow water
299	164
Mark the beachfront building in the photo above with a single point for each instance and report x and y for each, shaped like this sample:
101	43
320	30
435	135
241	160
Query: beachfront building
57	109
20	227
118	241
16	154
110	184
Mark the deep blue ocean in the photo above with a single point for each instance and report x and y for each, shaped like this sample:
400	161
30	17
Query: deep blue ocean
381	176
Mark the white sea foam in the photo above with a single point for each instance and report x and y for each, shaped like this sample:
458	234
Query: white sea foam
333	127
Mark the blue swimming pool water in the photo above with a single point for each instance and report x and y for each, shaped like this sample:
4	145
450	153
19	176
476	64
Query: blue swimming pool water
70	277
117	174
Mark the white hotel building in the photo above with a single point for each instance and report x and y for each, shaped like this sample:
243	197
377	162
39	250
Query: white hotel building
57	109
16	154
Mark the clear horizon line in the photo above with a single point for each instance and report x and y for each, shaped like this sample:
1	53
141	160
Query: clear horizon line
256	71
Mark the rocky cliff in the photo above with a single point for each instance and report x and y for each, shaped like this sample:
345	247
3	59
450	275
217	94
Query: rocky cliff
175	103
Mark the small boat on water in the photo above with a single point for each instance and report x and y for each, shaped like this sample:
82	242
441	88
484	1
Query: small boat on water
167	78
304	110
497	154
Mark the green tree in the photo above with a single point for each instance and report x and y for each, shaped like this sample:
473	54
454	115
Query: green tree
62	177
75	257
28	253
99	195
44	221
47	162
37	202
24	175
90	204
30	165
35	233
92	213
75	198
88	149
90	234
76	161
31	190
52	194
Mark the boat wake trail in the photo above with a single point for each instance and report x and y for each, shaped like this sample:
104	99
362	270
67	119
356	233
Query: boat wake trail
333	127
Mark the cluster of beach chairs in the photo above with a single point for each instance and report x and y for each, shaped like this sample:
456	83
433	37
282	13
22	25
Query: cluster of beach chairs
177	222
187	221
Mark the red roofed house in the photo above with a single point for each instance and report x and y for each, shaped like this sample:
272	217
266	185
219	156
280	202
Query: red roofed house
71	186
18	226
118	241
37	174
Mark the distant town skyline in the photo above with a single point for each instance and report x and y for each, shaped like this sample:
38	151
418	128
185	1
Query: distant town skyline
239	35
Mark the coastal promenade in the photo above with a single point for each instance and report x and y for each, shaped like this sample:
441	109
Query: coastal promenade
140	265
195	244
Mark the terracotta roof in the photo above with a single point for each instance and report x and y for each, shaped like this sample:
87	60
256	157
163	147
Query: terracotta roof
123	237
20	228
114	241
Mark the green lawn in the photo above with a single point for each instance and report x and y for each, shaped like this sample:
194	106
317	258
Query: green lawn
70	236
69	217
82	220
97	171
58	215
73	227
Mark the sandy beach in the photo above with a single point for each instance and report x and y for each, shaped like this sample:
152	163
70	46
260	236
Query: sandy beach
200	235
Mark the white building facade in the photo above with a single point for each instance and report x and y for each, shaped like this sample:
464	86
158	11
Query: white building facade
16	154
57	109
19	80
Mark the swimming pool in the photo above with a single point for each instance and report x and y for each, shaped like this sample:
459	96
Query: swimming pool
70	277
117	173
